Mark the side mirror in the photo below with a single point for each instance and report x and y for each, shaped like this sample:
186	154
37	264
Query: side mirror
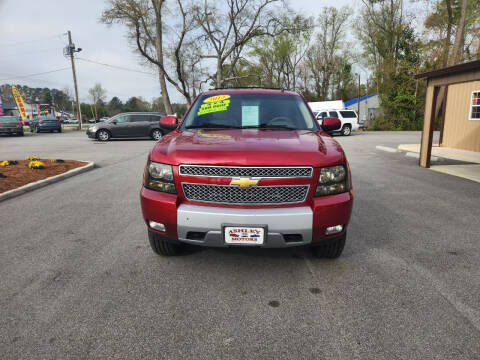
330	124
168	123
114	122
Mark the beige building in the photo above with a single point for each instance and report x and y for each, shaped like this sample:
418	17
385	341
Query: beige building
460	84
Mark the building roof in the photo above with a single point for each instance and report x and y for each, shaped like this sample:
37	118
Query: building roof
473	65
355	99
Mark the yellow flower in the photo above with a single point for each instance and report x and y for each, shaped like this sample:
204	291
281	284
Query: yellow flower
4	163
32	158
36	165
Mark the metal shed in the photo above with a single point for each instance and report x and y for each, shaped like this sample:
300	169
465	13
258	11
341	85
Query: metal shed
459	85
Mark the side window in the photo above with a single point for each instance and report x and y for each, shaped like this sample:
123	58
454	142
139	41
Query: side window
475	106
122	118
154	118
323	114
138	118
333	114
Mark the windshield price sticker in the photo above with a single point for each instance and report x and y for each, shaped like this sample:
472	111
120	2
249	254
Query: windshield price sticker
214	104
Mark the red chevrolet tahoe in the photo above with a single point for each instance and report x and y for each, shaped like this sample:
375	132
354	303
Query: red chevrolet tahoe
248	167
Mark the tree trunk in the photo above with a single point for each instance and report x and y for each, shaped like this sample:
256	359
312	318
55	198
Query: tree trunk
459	35
449	32
219	80
159	48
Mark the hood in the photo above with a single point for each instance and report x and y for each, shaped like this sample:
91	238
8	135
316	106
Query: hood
247	147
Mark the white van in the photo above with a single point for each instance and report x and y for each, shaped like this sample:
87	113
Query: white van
349	119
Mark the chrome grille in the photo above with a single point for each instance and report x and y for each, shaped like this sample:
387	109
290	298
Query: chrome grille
237	171
227	194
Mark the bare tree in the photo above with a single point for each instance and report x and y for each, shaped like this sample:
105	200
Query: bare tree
227	30
97	93
322	58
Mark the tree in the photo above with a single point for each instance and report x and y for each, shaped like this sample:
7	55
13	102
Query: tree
227	30
114	106
136	104
97	94
327	54
278	58
144	20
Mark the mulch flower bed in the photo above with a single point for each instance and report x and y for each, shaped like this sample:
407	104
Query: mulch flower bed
20	174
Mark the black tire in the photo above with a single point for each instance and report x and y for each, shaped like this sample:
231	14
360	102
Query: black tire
346	130
154	136
60	130
162	247
105	137
37	130
332	249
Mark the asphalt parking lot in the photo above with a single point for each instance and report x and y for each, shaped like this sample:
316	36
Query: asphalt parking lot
78	278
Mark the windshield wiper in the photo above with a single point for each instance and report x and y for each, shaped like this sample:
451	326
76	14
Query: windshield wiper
266	126
211	126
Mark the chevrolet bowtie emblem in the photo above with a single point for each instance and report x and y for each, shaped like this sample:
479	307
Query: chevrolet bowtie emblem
244	182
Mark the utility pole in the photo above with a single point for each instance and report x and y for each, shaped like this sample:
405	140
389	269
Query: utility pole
70	52
358	100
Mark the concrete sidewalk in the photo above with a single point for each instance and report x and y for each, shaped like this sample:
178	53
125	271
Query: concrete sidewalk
466	171
444	152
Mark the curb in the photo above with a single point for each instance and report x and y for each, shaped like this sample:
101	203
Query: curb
387	149
50	180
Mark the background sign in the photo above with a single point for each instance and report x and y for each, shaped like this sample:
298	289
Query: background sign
20	103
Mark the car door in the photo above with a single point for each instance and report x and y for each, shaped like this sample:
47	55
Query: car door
119	125
139	125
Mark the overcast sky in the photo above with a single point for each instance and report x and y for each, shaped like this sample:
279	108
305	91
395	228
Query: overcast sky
32	38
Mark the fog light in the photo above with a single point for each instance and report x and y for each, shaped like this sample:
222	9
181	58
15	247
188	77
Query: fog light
156	226
333	229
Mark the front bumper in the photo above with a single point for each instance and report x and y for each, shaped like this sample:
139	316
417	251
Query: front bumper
286	226
11	130
283	224
91	134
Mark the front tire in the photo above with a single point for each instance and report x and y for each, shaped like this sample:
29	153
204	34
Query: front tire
331	249
162	247
156	134
346	130
103	135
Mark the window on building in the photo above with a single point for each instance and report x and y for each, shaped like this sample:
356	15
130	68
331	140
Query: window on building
475	106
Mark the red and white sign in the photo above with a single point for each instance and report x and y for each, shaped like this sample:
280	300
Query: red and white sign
244	235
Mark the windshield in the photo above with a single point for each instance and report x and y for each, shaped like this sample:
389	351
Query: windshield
8	119
250	111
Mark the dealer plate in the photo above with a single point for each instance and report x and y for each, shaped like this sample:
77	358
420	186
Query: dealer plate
244	235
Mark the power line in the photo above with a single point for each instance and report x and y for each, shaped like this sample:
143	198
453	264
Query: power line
115	66
30	75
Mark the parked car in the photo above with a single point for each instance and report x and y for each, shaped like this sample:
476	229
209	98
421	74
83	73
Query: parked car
70	121
248	167
348	118
45	123
134	124
103	119
11	125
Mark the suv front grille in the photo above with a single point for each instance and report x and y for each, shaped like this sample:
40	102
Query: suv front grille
238	171
261	195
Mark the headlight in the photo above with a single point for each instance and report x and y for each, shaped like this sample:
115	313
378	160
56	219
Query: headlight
93	128
159	177
332	180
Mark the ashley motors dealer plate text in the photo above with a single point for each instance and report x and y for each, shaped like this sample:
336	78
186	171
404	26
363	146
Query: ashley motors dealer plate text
244	235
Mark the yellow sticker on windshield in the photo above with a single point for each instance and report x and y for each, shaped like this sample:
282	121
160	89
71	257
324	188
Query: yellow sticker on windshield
214	104
216	98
